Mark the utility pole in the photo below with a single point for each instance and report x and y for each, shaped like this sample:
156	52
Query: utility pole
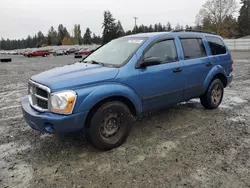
136	18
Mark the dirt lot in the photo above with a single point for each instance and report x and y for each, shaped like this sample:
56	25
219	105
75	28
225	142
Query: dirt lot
183	146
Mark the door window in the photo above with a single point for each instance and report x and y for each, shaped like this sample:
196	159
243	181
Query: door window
164	50
193	48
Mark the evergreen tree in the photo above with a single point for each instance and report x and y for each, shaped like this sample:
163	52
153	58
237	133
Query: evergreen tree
52	36
96	39
119	29
87	37
129	32
160	27
244	18
156	28
169	27
40	38
62	33
109	27
177	27
151	29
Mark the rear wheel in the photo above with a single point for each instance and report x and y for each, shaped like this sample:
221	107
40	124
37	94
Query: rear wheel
44	55
110	125
214	95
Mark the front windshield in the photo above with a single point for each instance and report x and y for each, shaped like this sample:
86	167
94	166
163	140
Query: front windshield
116	52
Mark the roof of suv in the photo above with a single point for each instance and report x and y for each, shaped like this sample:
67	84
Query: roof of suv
181	33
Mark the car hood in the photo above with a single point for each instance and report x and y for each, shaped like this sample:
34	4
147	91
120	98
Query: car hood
74	76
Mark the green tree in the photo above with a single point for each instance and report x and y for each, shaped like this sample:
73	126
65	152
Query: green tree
109	27
96	39
216	11
40	38
169	26
178	26
119	29
150	29
52	36
62	33
244	18
87	37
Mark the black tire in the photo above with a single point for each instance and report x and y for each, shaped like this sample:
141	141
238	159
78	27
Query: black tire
29	56
109	126
214	95
44	55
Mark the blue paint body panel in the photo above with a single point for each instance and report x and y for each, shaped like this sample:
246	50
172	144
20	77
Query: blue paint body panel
150	88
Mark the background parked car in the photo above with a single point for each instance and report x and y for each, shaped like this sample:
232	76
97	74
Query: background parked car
43	53
59	52
70	51
12	53
83	51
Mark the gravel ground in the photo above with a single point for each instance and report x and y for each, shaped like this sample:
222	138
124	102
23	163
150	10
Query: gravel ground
182	146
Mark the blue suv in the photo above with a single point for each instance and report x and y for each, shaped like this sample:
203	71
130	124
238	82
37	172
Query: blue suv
124	79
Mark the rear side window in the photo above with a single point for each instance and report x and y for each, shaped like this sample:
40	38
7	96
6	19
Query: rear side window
216	45
193	48
164	50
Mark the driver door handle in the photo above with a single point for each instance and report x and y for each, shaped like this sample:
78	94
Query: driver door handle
176	70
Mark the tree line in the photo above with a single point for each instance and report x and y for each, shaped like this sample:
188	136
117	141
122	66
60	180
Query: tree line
219	16
215	16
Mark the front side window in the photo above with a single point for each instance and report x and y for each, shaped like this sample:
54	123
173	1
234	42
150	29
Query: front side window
216	45
164	50
117	51
193	48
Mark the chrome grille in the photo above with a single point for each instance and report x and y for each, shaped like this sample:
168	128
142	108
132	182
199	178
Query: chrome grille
39	96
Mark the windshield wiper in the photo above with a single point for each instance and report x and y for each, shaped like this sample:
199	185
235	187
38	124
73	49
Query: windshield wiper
94	62
98	63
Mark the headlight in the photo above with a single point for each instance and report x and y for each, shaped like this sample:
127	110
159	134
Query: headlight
63	102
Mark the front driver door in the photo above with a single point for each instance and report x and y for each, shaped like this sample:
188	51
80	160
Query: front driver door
161	85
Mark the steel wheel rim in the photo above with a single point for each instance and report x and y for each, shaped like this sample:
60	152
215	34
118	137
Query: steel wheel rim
216	94
110	125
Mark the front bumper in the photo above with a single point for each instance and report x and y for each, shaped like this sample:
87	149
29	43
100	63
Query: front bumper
52	123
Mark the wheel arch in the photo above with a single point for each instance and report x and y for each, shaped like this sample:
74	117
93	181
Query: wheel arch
217	72
122	99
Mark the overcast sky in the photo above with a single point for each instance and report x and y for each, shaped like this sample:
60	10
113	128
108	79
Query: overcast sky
18	18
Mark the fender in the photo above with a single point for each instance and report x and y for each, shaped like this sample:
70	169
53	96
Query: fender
215	70
90	96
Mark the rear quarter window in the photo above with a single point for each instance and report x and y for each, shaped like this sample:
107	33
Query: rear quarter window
216	45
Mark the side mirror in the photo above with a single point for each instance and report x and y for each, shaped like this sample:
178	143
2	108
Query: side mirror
151	61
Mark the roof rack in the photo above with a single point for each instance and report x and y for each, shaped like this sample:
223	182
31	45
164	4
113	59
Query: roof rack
191	30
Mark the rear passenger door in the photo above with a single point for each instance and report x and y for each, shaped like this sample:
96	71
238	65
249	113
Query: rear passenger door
196	65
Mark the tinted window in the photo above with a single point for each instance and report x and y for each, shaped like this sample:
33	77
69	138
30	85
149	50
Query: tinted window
193	48
216	45
164	50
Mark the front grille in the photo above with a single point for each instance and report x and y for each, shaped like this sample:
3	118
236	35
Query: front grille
41	92
39	96
42	103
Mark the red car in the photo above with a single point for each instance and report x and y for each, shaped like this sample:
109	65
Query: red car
43	53
84	51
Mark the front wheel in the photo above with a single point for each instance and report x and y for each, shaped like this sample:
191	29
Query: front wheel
110	125
213	96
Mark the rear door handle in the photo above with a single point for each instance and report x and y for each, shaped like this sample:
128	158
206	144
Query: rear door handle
209	64
179	69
